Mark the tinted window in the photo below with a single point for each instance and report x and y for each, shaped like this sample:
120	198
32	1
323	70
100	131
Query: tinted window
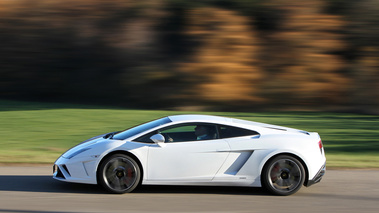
184	133
141	128
231	132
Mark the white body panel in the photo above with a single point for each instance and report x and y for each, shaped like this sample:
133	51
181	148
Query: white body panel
188	161
230	161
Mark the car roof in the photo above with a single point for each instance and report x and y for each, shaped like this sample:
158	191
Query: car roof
199	118
216	119
230	121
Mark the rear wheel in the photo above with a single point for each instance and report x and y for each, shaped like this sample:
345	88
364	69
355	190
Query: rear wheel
119	173
283	175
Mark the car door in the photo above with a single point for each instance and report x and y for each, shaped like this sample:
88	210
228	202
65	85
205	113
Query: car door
185	156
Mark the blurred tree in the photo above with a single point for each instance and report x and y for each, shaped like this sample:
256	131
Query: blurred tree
64	50
223	70
300	61
366	89
363	31
45	55
221	53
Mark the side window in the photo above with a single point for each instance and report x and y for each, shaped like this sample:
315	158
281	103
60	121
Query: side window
184	133
179	133
231	132
190	132
146	138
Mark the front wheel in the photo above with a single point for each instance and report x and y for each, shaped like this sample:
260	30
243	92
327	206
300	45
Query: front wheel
283	175
119	173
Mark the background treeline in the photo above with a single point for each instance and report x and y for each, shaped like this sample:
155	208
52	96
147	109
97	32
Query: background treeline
217	54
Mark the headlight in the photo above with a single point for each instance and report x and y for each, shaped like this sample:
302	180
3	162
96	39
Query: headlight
77	153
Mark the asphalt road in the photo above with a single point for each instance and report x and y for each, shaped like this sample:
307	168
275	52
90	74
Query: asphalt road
32	189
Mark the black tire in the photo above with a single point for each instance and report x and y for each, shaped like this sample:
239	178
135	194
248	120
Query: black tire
119	174
283	175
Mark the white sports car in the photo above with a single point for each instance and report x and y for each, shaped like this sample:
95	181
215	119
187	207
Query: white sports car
197	150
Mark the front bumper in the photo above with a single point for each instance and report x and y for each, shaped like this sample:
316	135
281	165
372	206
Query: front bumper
317	178
75	171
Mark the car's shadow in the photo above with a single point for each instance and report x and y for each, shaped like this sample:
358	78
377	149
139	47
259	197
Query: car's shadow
35	183
39	183
202	190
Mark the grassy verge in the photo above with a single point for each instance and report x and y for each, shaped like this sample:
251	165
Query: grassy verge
40	132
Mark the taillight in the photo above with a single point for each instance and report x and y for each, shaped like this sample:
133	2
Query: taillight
320	146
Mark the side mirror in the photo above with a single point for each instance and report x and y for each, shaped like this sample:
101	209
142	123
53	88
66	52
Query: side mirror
158	138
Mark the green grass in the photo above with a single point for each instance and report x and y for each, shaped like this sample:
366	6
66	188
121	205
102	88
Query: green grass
40	132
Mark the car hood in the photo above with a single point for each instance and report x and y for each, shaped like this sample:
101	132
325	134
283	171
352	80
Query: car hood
84	144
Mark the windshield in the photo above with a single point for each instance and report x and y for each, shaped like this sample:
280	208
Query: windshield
141	128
